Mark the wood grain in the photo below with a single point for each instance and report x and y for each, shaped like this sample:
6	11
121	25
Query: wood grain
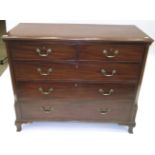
66	111
28	51
126	52
123	33
71	82
71	91
76	71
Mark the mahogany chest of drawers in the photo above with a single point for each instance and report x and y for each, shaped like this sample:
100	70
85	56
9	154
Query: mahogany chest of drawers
76	72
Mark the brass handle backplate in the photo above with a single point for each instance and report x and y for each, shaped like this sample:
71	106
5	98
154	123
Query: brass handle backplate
47	109
45	92
115	52
104	111
44	73
101	91
104	72
43	52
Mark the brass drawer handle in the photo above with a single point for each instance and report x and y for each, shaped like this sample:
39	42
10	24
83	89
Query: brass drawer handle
43	52
46	92
101	91
104	111
44	73
104	72
47	109
115	52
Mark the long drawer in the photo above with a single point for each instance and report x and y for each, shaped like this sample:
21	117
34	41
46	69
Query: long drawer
112	52
66	111
35	50
77	71
58	91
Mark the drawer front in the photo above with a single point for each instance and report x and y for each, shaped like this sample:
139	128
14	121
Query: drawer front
42	51
81	71
111	112
81	92
112	52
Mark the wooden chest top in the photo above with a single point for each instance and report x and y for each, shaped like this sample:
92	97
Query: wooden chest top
123	33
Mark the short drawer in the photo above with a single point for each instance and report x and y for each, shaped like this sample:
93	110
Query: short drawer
81	71
112	52
112	112
41	51
69	91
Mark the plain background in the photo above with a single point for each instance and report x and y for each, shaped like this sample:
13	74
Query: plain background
72	137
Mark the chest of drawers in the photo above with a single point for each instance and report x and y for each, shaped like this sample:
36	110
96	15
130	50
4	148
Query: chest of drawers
76	72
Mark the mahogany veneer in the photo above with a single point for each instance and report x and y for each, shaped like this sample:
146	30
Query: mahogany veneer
76	72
